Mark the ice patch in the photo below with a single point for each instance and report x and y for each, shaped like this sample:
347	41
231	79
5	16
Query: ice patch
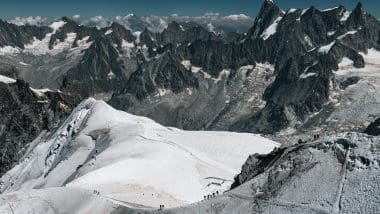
9	50
189	91
308	40
308	67
329	9
6	80
330	33
345	62
66	44
41	47
137	35
345	16
272	29
292	10
195	69
163	92
186	64
108	32
304	11
307	75
127	47
326	49
40	92
110	75
23	63
38	47
348	33
83	43
126	44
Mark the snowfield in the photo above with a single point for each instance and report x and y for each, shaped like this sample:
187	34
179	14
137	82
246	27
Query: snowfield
358	102
132	159
371	69
55	200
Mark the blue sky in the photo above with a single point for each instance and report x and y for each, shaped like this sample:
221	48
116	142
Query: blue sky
87	8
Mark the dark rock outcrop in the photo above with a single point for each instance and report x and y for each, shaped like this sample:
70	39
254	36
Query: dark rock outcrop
269	12
24	114
304	47
18	36
373	128
336	174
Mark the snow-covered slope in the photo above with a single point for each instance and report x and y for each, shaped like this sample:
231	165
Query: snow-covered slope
355	99
55	200
338	173
133	159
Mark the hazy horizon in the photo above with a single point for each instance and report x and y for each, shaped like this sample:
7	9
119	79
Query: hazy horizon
86	8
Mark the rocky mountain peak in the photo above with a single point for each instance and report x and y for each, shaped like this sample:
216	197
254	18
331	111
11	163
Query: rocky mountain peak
357	17
69	21
18	36
117	33
268	2
269	12
359	7
174	26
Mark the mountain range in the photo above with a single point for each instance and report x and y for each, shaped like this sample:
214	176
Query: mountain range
214	22
293	76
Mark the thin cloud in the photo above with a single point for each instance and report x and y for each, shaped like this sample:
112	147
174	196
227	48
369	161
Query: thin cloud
38	20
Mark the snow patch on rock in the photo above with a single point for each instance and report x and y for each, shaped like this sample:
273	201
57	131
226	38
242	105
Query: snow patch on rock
6	80
272	29
326	49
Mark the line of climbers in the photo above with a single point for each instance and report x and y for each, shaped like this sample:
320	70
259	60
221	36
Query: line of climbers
207	197
162	207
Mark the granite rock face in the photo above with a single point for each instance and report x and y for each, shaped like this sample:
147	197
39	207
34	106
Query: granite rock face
187	70
295	73
373	128
17	36
334	174
24	114
305	47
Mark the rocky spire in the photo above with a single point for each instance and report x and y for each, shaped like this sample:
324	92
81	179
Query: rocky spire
268	13
119	32
356	18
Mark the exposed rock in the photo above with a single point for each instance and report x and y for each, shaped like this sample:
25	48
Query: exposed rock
323	176
129	69
373	128
18	36
24	115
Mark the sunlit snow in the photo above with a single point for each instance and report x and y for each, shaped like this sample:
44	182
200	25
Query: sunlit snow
134	159
272	29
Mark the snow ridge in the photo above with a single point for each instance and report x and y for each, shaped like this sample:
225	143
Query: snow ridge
133	159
